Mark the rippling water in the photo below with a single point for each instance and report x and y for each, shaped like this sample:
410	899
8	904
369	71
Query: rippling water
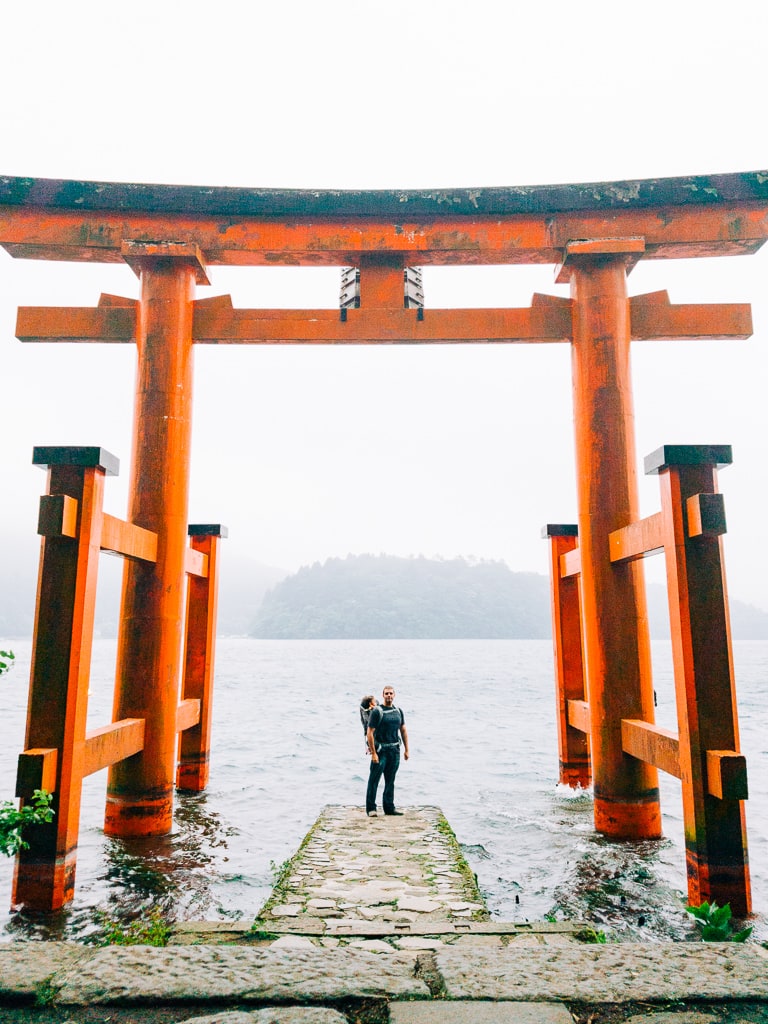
287	741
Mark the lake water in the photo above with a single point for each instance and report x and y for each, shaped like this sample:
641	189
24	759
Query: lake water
287	741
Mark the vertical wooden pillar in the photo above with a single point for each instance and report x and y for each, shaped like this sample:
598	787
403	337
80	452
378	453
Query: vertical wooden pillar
615	629
70	523
140	790
712	771
573	744
200	647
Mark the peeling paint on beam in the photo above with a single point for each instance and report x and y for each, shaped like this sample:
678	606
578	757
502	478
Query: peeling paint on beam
699	190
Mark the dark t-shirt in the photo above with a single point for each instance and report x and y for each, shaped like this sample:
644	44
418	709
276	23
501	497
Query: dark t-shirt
386	723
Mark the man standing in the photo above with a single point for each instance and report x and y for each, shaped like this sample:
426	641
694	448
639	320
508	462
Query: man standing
385	727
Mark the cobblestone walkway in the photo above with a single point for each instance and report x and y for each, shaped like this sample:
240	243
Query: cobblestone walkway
392	870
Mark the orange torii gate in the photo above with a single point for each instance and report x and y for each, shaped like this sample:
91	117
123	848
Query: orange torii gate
169	235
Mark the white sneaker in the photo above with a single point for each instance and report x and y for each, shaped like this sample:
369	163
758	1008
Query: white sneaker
372	814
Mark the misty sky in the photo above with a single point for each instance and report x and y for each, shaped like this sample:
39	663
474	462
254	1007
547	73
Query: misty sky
451	450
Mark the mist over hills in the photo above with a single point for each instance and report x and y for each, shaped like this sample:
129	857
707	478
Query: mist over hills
383	597
357	597
380	596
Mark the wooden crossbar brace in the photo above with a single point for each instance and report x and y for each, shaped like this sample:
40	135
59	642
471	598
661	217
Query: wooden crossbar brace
714	773
59	752
548	319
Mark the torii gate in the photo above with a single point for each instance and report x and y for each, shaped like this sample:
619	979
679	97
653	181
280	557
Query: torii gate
169	235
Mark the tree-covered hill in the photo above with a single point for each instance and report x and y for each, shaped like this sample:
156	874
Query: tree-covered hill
383	597
380	596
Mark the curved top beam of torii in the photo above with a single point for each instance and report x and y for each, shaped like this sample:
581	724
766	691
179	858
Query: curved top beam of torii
724	214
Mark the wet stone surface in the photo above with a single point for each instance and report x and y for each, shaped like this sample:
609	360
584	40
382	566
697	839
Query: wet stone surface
615	973
388	868
145	974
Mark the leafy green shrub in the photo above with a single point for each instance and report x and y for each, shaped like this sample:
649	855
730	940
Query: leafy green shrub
592	935
6	661
14	821
715	923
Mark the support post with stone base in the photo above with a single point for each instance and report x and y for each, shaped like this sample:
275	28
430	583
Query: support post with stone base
59	753
54	754
140	793
705	754
199	652
572	709
615	627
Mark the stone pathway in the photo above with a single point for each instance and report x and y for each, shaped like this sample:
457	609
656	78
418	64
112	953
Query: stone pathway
380	884
388	869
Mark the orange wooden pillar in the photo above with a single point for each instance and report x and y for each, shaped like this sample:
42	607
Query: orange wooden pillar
140	790
615	629
573	743
200	647
53	759
713	772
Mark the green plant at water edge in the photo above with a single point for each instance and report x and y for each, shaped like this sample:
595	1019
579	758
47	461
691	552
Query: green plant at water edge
149	930
14	821
715	923
279	871
6	661
592	935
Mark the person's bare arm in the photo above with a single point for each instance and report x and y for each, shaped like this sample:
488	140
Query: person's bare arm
404	734
372	745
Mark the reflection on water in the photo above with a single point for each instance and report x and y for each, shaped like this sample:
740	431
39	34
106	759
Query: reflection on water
287	741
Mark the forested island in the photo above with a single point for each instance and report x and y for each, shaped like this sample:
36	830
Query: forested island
380	596
384	597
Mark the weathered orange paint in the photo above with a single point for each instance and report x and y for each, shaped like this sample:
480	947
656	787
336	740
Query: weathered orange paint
381	320
727	775
578	715
715	829
636	540
684	231
44	876
654	317
111	743
382	285
573	744
615	631
200	648
36	770
652	744
140	791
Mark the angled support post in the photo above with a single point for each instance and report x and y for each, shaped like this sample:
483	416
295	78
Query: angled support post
199	653
573	743
140	790
615	631
55	745
712	770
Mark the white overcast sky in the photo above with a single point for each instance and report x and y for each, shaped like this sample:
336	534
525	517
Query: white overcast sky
307	454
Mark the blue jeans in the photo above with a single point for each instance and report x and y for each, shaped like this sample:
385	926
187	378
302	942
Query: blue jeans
389	762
